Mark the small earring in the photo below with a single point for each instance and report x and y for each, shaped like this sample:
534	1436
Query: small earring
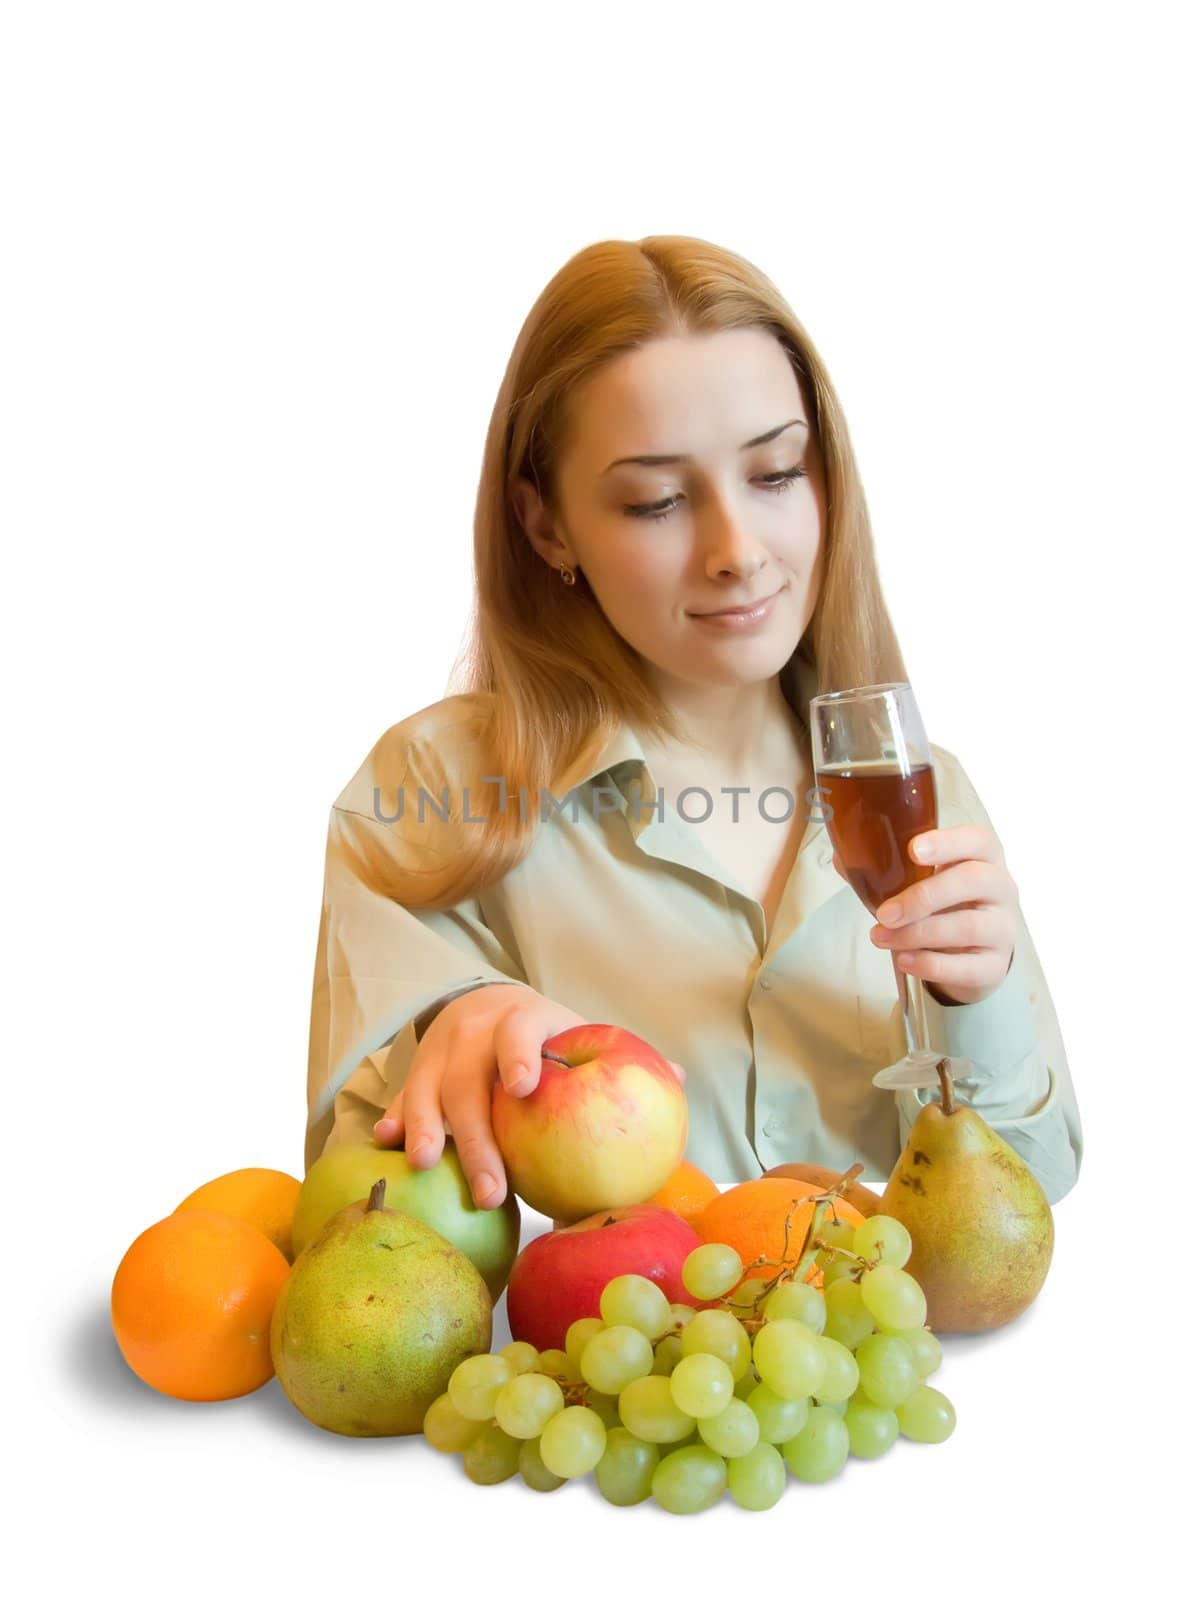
565	573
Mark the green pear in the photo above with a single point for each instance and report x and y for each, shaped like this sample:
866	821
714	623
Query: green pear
981	1226
373	1318
439	1195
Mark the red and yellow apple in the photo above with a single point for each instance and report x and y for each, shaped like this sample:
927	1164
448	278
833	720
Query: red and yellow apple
606	1125
558	1276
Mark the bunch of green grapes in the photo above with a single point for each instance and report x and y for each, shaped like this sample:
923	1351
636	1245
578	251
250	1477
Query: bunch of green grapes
666	1401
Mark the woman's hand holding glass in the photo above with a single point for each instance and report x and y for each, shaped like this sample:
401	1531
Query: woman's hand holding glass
956	929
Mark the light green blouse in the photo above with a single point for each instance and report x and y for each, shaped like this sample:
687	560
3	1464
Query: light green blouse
622	915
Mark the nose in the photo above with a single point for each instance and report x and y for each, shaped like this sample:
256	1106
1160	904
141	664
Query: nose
728	546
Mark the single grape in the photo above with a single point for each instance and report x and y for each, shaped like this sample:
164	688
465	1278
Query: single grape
925	1348
746	1384
839	1269
711	1271
626	1469
474	1385
534	1470
701	1385
882	1238
841	1373
757	1478
799	1301
691	1478
893	1298
747	1296
779	1418
731	1432
846	1318
681	1315
648	1411
492	1455
836	1231
667	1353
614	1357
558	1364
521	1356
631	1301
788	1356
579	1333
926	1416
836	1405
605	1406
572	1442
526	1403
819	1452
871	1429
447	1429
719	1333
887	1369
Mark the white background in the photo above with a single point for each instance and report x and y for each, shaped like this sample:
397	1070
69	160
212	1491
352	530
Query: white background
264	267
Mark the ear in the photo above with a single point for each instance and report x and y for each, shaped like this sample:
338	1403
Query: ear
538	524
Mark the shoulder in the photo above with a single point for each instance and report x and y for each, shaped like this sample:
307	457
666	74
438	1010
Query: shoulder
443	743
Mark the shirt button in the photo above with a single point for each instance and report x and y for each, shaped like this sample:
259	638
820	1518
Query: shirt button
765	981
772	1126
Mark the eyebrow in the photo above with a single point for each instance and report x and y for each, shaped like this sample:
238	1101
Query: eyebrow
662	461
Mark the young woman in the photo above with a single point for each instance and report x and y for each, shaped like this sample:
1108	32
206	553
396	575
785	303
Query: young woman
597	828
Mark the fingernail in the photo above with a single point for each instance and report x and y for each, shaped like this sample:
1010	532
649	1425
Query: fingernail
384	1128
519	1081
889	914
921	850
485	1188
421	1148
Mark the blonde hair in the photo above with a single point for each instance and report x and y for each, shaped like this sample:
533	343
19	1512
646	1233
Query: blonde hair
551	677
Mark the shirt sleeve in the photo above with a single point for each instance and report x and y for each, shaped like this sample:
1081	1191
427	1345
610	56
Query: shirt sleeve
381	970
1019	1080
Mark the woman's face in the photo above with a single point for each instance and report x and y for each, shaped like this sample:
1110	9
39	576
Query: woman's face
660	542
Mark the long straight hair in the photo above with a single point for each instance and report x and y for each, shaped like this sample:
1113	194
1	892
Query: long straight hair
545	679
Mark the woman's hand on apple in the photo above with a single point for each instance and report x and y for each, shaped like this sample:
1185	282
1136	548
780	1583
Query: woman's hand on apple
497	1028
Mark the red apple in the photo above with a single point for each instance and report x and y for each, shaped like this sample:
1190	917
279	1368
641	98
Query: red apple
606	1125
558	1276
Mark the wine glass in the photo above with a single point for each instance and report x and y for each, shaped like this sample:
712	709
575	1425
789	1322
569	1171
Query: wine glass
874	771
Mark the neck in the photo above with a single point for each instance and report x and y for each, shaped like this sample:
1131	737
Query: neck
740	731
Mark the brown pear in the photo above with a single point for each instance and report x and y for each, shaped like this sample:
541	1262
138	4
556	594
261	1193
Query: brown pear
981	1226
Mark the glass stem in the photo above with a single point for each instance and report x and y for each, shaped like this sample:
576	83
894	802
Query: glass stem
912	1008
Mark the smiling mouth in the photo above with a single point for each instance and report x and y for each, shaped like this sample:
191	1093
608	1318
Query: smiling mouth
739	611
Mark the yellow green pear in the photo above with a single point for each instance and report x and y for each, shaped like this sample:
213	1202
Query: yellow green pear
373	1318
981	1226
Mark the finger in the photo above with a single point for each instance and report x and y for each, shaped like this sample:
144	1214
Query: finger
468	1101
518	1039
968	841
965	884
425	1135
972	928
389	1130
984	970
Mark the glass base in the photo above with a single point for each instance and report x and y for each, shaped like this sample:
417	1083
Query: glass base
919	1071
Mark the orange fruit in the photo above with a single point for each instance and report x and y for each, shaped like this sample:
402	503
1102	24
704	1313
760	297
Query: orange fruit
751	1217
192	1302
686	1192
259	1195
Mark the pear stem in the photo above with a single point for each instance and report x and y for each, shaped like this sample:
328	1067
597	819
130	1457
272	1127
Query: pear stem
943	1073
375	1199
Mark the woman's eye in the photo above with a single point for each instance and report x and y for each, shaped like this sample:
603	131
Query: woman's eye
774	482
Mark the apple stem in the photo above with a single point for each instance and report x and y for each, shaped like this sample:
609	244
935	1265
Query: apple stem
548	1055
375	1199
943	1073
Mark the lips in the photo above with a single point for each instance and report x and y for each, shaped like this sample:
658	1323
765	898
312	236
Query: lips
737	611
